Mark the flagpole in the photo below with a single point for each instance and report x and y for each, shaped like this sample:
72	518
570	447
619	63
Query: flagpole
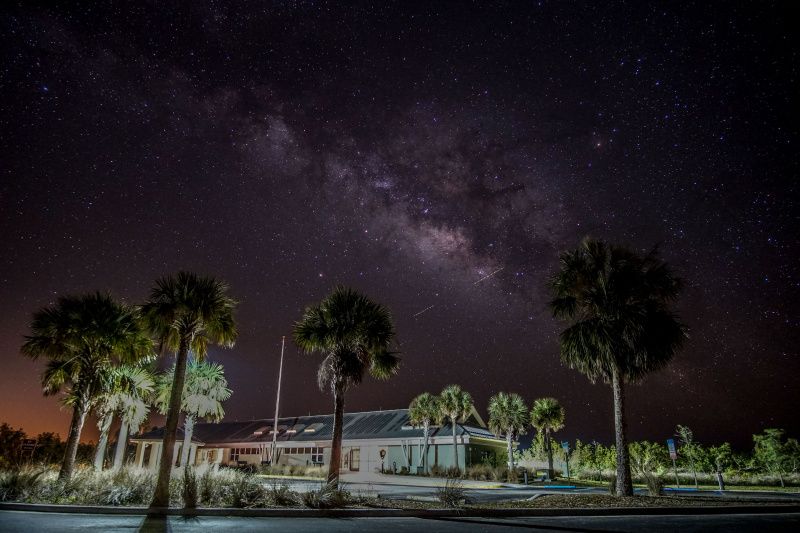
277	405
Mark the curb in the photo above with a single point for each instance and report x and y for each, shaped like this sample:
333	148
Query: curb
403	513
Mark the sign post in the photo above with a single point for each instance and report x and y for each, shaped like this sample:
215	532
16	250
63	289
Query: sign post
673	455
29	445
565	447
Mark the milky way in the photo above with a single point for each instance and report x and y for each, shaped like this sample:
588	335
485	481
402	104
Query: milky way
412	151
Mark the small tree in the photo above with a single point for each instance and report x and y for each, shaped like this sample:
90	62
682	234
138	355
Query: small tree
423	411
689	448
771	452
455	405
547	415
508	415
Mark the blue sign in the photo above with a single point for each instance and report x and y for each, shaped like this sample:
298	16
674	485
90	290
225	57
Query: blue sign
565	445
671	445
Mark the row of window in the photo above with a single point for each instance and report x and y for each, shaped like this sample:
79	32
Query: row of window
245	451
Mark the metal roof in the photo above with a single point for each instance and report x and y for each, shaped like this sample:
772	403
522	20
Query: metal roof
357	426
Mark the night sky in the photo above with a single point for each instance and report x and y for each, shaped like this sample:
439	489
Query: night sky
409	150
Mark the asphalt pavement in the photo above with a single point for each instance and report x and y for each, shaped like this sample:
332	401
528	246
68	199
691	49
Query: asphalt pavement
29	522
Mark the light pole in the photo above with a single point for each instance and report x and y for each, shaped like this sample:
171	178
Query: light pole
277	407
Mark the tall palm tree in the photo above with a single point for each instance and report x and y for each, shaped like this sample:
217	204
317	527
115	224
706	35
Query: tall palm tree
132	407
547	416
185	312
203	393
423	411
353	333
83	337
455	405
125	384
509	416
621	327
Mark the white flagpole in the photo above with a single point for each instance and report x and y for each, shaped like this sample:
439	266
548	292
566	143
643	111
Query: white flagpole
277	405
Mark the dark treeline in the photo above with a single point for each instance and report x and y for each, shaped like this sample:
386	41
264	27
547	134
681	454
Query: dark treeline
49	448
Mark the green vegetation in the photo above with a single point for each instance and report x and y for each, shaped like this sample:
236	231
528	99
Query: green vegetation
620	326
547	416
423	411
455	405
354	335
185	312
83	338
204	391
508	415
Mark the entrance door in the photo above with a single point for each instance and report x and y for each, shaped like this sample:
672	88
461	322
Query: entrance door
355	459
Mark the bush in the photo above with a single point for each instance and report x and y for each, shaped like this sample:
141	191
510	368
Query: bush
326	497
655	485
453	472
279	494
189	488
18	484
209	494
452	494
244	491
481	472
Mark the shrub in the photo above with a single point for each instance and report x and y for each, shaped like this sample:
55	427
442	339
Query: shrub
481	472
453	472
189	488
18	484
127	487
452	494
244	491
655	485
326	497
279	494
208	488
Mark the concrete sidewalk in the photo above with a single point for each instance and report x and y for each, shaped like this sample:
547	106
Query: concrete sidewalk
416	481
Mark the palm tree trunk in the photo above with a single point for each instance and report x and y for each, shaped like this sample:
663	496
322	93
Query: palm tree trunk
455	446
122	445
549	447
75	428
624	484
102	443
426	430
336	442
510	454
188	429
161	496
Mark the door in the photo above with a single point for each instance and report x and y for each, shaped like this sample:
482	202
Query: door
355	459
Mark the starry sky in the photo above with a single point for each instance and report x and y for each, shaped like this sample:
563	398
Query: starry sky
410	149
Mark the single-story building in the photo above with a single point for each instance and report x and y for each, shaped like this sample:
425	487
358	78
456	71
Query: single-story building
372	441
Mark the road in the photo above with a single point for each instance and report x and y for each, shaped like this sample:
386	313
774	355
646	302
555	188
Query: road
25	522
404	490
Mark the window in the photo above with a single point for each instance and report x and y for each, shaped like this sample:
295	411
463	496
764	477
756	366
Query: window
316	455
234	454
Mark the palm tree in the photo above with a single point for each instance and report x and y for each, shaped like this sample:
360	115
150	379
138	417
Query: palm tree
423	411
509	416
455	405
353	333
133	409
83	337
547	416
203	393
185	312
621	327
124	381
